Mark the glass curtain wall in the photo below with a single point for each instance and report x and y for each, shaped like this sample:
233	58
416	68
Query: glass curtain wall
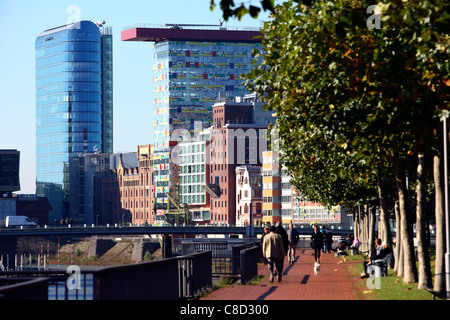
68	106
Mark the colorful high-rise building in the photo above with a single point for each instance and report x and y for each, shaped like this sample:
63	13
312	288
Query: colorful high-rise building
282	202
194	65
73	104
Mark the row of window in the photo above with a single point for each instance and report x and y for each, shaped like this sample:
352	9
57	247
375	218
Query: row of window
56	180
271	199
192	148
68	46
129	204
271	186
64	97
91	128
54	158
68	57
65	116
52	168
313	213
199	168
64	138
74	147
135	193
196	188
193	199
74	76
192	158
69	67
157	172
64	107
192	178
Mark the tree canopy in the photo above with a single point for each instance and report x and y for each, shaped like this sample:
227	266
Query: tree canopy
352	101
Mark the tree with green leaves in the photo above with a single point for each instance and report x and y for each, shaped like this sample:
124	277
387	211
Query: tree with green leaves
229	8
357	106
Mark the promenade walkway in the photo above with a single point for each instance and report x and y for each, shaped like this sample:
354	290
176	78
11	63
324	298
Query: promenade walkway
334	282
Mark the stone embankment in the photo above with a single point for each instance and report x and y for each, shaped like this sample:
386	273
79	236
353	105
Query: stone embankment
97	250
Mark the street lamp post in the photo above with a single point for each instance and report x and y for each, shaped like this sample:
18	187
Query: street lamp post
447	218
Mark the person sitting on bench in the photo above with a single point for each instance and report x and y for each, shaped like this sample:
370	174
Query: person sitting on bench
380	252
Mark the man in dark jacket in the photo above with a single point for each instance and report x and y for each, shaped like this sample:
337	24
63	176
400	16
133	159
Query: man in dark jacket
280	230
293	240
379	254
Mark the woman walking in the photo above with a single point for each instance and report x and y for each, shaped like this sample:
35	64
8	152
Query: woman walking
317	243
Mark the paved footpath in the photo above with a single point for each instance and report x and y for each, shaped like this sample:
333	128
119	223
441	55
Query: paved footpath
334	282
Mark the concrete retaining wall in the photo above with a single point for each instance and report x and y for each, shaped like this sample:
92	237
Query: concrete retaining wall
141	247
100	246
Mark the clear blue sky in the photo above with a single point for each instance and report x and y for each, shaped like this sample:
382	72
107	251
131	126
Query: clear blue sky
22	20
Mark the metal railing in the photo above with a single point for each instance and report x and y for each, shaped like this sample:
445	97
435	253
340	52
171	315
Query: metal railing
23	288
56	284
249	259
225	252
168	279
191	26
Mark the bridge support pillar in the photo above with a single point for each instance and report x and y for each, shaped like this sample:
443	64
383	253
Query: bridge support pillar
166	246
8	251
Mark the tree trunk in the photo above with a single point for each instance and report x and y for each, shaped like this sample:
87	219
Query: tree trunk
409	263
439	270
385	234
424	277
362	229
371	213
398	267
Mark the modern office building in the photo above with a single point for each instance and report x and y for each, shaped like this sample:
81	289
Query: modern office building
194	172
73	104
271	188
9	181
9	171
193	66
283	203
86	184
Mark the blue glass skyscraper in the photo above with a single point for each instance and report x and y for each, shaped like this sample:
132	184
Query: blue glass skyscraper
73	104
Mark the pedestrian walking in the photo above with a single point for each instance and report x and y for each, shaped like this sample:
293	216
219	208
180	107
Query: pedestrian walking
325	243
317	243
280	230
274	252
266	231
329	240
293	240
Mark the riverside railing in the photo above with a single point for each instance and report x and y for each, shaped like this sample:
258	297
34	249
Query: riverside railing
156	280
249	259
225	253
168	279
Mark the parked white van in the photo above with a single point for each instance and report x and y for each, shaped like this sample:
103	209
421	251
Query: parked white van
18	221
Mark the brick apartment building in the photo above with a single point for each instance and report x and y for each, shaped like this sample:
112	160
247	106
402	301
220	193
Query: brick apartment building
128	191
235	141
